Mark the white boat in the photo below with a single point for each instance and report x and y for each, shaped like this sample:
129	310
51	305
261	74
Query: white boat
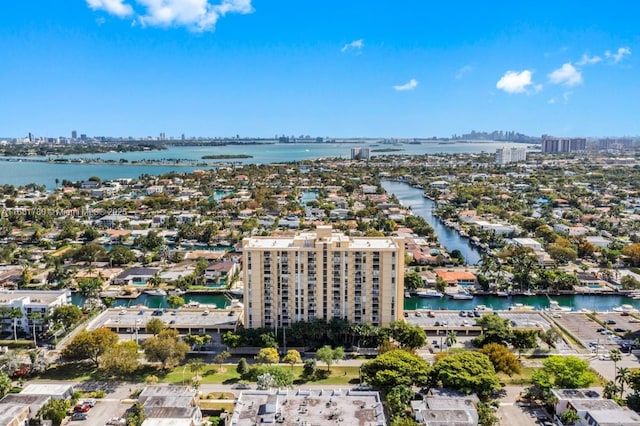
502	293
483	308
528	293
625	308
520	307
238	291
407	295
429	292
155	292
176	291
461	295
555	306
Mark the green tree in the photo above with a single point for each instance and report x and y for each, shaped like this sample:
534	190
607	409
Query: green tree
174	301
329	355
231	339
54	410
452	338
569	417
242	367
407	335
90	253
196	366
486	415
394	368
165	348
268	356
292	357
404	421
90	345
155	326
622	378
5	384
495	329
615	356
467	372
15	314
524	339
135	415
89	287
567	372
413	281
550	337
502	359
309	368
66	315
398	398
221	358
121	359
121	255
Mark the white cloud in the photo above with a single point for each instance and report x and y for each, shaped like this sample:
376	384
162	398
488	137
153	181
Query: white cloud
619	55
198	15
114	7
517	82
462	71
552	101
588	60
354	45
410	85
566	95
567	75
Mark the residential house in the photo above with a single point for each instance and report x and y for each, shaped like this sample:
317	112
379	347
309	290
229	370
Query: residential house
592	409
135	276
221	273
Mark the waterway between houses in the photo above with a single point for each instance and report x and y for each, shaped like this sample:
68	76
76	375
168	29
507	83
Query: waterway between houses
449	238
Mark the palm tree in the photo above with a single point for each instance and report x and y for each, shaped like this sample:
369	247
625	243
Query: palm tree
196	365
33	317
622	377
615	356
15	314
452	338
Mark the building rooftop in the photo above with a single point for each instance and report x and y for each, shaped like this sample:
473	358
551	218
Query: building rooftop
186	317
308	407
49	389
32	296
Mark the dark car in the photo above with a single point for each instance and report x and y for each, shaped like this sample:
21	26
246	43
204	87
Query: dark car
476	314
619	330
609	322
79	416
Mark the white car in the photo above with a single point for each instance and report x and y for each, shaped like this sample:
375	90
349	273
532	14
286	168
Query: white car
117	421
605	357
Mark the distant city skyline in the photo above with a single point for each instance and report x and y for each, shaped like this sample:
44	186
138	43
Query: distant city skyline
256	68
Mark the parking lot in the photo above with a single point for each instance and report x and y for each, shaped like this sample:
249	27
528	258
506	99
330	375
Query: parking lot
602	337
105	408
464	322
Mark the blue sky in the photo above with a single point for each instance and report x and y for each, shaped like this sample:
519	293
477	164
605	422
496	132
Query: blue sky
324	68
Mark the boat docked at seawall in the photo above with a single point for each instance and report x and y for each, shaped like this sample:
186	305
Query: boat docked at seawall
176	291
483	308
521	307
237	291
624	308
155	292
427	293
461	295
555	307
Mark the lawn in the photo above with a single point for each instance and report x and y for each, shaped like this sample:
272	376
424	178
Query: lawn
228	375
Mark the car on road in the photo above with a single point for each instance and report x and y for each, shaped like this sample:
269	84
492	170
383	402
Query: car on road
79	416
619	330
90	402
81	408
241	386
117	421
609	322
605	357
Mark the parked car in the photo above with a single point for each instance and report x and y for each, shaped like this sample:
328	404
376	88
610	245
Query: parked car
241	386
609	322
605	357
90	402
117	421
619	330
81	408
79	416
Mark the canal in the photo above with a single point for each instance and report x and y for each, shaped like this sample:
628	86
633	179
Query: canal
420	206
